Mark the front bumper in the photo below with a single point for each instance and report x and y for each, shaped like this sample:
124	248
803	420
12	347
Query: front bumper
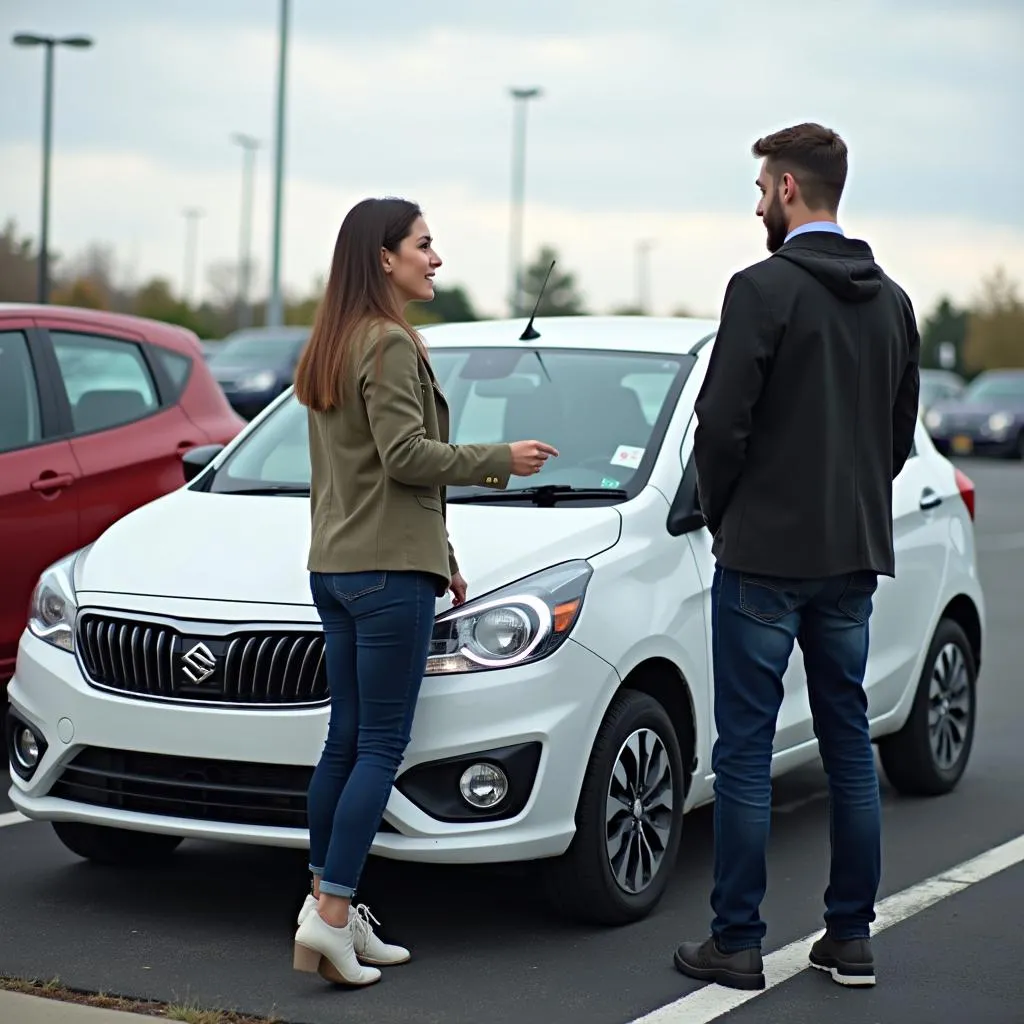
974	442
249	404
116	743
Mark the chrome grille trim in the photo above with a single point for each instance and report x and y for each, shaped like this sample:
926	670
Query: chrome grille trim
263	666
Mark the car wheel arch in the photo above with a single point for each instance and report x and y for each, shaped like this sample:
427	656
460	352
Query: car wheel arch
964	612
662	680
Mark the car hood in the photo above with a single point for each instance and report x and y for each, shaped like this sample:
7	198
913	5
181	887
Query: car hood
231	372
247	548
981	409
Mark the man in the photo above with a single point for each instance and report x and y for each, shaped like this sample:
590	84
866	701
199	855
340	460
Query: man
805	418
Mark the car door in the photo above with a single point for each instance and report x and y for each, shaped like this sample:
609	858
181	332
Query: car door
904	605
39	481
794	725
126	437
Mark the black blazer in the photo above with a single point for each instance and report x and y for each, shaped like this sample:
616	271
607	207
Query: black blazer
807	412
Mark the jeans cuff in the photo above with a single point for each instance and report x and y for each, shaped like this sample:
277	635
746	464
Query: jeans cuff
334	889
316	871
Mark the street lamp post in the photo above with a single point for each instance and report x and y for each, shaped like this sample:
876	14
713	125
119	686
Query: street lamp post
192	216
249	146
643	280
51	43
275	308
521	97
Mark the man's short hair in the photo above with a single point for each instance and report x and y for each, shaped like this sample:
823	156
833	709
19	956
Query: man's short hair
816	156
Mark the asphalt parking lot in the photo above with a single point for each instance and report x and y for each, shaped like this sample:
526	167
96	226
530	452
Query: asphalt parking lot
215	925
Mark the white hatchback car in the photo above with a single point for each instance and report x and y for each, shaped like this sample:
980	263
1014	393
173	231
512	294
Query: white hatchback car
170	682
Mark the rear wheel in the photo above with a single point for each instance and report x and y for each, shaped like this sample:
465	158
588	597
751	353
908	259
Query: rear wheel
118	847
628	820
929	754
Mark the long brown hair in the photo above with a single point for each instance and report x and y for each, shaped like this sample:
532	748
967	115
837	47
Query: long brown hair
357	291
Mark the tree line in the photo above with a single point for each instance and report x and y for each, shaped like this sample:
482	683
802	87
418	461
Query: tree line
985	334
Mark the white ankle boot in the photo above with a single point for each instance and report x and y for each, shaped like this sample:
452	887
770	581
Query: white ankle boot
368	946
329	952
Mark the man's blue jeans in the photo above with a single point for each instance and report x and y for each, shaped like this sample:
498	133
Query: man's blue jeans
755	621
377	628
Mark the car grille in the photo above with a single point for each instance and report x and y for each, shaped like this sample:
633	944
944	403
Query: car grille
149	659
230	792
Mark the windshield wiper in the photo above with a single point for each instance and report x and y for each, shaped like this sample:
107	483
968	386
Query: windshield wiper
271	489
543	495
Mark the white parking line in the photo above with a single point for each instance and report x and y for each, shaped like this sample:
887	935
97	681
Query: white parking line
12	818
712	1001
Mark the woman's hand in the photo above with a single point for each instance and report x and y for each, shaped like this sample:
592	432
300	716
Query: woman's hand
458	587
528	457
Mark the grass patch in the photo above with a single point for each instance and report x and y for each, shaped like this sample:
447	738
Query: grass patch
186	1013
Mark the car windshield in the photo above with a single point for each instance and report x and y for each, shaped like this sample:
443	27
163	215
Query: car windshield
985	388
255	351
605	411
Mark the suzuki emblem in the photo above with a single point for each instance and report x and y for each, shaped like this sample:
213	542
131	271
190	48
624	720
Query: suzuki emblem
198	663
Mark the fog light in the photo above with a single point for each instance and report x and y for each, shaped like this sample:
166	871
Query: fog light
483	785
26	748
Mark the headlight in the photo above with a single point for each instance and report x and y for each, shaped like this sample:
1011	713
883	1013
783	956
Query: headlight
520	623
933	419
261	381
52	610
1000	422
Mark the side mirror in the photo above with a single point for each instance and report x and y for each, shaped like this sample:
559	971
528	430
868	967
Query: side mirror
685	514
195	460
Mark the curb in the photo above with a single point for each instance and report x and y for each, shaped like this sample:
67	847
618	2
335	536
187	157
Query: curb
18	1008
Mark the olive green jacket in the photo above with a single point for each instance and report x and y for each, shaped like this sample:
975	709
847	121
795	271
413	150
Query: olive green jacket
380	461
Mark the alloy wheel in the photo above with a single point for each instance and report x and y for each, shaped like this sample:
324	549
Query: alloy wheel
639	810
949	706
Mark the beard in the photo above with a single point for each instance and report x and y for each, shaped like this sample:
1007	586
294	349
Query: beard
775	225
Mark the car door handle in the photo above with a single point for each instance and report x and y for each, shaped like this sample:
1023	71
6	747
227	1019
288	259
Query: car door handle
929	499
53	482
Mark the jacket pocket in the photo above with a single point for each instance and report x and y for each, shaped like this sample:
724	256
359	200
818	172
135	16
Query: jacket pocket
431	502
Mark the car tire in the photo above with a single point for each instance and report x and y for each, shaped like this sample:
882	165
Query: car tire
117	847
581	883
912	758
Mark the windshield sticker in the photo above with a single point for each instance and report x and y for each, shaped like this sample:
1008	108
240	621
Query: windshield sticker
627	455
609	482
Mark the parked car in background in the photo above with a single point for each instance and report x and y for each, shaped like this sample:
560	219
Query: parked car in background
986	418
96	411
938	385
566	714
255	365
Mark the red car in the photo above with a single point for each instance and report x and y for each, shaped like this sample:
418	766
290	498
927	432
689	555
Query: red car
96	411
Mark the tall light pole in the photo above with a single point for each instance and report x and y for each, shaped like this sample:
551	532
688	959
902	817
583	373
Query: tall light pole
249	146
192	216
643	281
520	98
51	43
275	309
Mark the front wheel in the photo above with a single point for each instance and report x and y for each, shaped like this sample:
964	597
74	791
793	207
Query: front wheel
628	820
118	847
929	754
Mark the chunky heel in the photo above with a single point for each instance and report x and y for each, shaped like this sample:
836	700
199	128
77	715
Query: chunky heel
305	959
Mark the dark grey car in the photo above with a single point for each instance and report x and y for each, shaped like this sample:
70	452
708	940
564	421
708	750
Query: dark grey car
987	418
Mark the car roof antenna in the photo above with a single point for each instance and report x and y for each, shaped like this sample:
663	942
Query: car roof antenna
529	334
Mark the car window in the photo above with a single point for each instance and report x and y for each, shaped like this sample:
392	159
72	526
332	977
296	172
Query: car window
602	410
106	379
20	422
176	366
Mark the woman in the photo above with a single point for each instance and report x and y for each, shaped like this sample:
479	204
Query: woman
379	553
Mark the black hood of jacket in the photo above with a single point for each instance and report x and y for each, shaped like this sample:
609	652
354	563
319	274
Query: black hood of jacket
845	266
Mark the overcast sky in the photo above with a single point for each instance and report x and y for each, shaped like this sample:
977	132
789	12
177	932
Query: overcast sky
643	132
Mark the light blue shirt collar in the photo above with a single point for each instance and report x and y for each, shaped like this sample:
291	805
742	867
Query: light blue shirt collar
815	225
